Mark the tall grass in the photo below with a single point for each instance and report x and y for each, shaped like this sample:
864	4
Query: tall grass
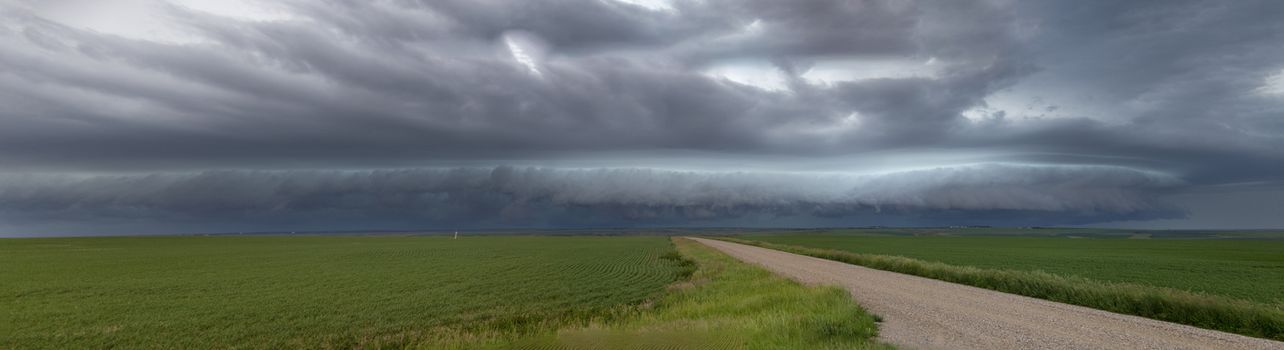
1200	310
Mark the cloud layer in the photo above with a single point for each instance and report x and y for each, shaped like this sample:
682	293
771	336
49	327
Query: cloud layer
508	196
1096	107
345	82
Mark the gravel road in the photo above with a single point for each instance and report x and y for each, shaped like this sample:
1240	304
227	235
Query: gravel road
922	313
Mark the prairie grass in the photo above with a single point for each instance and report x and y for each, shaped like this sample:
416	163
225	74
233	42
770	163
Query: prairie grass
1167	304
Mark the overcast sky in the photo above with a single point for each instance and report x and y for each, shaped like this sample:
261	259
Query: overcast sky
153	116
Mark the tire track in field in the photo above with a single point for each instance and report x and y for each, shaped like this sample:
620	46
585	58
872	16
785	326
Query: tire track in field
926	313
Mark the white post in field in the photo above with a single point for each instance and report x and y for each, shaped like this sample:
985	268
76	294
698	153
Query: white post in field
456	234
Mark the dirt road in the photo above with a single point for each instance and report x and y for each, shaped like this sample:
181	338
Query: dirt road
930	314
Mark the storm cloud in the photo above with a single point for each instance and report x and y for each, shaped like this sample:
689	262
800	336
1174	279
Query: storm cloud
177	115
508	196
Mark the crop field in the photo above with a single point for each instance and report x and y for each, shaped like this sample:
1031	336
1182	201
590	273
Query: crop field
537	292
320	291
1243	269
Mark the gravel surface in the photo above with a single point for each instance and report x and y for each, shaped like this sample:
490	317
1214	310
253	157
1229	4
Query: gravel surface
922	313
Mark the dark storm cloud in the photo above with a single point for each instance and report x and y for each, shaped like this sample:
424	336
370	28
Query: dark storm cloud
1137	99
1180	85
352	81
540	196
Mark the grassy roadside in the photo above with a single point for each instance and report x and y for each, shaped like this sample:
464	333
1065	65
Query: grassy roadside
1200	310
726	304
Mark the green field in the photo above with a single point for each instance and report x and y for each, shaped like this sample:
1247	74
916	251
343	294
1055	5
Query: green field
430	292
1244	269
209	292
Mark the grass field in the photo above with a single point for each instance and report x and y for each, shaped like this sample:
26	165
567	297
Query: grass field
409	292
272	292
1235	283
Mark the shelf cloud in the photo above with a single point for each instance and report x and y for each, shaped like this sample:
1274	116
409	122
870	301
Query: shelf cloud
145	115
544	197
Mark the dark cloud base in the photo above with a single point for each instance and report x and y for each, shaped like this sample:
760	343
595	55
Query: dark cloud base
992	194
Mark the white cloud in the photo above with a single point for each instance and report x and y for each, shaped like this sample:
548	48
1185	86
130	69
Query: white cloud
834	71
239	9
658	5
526	50
1273	84
759	74
145	19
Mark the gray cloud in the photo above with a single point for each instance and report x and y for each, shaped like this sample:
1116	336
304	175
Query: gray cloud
341	85
1101	107
506	196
